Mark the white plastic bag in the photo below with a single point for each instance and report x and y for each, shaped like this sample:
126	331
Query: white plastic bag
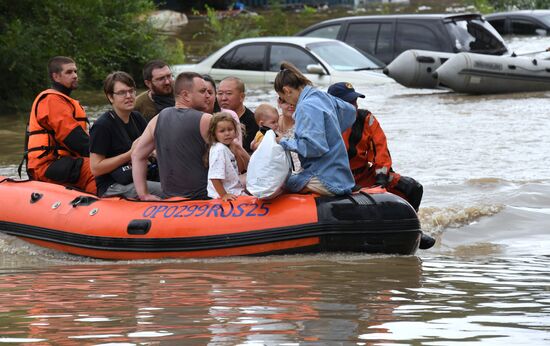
268	169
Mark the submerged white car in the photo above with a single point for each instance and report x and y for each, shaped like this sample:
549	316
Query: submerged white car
257	61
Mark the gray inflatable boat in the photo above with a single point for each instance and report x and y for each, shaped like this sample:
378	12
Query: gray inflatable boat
488	74
414	68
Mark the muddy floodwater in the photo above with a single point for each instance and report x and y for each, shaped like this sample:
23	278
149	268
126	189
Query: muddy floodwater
484	162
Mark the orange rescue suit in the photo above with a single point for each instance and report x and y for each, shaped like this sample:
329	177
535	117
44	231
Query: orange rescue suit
57	142
368	150
370	159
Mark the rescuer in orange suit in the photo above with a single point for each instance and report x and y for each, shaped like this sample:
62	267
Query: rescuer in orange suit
57	143
369	156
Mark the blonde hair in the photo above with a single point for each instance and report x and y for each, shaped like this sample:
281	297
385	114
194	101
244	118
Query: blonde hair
263	110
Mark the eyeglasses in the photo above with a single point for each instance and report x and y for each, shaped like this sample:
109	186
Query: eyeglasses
123	93
163	78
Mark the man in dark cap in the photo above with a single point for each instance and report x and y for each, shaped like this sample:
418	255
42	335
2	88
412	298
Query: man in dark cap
369	156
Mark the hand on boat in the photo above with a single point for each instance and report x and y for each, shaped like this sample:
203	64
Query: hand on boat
229	197
149	197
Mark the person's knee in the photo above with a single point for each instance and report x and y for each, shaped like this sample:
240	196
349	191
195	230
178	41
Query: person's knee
65	170
412	189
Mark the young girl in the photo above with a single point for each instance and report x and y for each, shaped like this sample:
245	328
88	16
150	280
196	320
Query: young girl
223	174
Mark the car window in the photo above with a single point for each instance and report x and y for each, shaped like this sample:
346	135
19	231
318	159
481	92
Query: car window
384	45
330	31
362	36
299	57
414	36
246	57
476	36
524	27
498	24
341	57
545	19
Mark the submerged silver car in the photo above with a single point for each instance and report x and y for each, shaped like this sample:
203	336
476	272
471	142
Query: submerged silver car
257	61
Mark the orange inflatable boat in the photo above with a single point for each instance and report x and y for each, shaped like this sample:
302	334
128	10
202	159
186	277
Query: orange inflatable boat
53	216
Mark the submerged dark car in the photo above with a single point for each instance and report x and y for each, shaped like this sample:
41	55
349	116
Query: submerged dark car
387	36
534	22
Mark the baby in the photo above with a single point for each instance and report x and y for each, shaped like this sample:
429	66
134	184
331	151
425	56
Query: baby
267	118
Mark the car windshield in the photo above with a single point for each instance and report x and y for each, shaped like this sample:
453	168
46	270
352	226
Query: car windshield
476	36
341	57
545	19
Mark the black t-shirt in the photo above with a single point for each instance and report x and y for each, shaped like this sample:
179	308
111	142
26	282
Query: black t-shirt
251	128
110	137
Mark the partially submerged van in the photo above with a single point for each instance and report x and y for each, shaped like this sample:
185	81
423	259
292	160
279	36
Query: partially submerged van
387	36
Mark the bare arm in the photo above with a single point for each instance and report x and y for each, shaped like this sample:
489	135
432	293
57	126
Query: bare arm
204	124
218	185
241	156
142	150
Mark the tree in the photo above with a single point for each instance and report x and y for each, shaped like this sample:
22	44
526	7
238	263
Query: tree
101	35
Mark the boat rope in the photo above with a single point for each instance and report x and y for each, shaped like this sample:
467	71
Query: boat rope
528	69
11	180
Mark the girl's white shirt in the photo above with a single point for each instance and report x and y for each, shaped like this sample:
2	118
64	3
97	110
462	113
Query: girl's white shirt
223	165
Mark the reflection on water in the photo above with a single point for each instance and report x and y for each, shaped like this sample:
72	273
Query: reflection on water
278	300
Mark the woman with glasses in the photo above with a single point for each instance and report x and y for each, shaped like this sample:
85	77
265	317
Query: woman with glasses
113	137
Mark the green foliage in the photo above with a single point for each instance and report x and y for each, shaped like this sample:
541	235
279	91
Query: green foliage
220	30
504	5
482	6
102	36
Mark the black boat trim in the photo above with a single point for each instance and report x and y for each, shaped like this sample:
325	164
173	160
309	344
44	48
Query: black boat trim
350	229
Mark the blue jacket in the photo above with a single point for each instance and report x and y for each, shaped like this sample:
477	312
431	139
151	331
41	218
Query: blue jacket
320	121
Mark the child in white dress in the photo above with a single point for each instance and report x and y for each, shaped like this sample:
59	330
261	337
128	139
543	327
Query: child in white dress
223	174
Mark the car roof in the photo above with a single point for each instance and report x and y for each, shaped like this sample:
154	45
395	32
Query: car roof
428	16
530	13
283	39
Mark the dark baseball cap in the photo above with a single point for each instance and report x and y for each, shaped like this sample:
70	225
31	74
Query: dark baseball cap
344	91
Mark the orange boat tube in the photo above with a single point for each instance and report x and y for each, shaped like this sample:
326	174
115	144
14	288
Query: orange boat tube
53	216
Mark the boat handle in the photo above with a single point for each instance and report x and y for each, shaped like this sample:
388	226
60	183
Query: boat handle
82	200
425	59
139	227
35	197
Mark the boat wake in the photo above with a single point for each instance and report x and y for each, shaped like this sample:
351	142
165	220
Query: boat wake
434	220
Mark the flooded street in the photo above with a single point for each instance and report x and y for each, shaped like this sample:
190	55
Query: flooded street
484	164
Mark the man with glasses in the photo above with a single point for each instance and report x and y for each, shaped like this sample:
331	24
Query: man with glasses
57	140
158	78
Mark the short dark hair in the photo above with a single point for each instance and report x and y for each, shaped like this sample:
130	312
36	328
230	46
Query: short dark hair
150	66
184	81
117	76
55	64
209	79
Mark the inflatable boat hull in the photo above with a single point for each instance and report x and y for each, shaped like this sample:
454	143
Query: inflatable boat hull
488	74
52	216
414	68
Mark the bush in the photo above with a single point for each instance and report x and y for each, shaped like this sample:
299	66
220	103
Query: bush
503	5
219	31
102	36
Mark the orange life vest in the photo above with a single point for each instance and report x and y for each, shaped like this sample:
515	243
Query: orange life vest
53	116
367	147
